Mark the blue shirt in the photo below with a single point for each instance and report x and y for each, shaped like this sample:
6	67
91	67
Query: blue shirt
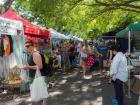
102	49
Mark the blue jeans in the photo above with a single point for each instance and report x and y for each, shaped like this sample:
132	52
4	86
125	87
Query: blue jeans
119	94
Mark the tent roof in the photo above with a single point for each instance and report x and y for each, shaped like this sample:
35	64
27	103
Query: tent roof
29	29
56	35
131	27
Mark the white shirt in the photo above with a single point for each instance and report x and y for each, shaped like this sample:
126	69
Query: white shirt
118	68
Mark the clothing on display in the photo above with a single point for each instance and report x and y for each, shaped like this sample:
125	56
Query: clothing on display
1	47
13	51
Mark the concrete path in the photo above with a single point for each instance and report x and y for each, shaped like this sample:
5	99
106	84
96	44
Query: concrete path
72	89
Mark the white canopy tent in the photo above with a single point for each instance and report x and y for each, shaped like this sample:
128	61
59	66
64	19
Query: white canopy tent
56	35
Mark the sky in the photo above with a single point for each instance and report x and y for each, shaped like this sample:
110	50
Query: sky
2	2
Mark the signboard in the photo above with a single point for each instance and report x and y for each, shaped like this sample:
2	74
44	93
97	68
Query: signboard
10	27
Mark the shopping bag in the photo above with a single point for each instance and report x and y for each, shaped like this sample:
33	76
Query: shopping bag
38	88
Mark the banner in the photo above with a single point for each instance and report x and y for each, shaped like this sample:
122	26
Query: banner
10	27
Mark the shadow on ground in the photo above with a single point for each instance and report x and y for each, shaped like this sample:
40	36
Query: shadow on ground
72	89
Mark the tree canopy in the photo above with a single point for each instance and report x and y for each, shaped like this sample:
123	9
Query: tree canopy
85	18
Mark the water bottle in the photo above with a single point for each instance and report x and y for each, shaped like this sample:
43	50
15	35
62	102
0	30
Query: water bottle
115	102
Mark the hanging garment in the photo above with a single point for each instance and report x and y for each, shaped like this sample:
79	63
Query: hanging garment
11	43
1	67
5	43
7	46
1	48
18	48
12	61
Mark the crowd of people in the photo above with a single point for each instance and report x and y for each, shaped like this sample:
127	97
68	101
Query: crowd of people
88	55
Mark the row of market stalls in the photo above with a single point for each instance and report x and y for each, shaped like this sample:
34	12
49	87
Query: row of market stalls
14	30
128	40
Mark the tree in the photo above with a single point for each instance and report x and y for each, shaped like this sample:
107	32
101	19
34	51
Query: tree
7	4
87	18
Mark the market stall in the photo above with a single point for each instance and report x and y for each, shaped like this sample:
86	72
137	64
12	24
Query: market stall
131	32
30	30
56	37
11	50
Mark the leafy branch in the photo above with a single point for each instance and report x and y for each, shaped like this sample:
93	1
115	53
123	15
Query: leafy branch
6	6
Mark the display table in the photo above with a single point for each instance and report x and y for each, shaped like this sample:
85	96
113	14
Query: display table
134	83
135	86
129	68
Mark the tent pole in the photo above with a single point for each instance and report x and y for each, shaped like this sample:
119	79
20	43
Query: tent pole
129	42
51	45
129	51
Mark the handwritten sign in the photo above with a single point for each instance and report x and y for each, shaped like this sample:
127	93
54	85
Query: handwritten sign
10	27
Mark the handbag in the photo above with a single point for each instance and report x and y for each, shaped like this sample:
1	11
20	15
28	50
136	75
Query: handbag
38	88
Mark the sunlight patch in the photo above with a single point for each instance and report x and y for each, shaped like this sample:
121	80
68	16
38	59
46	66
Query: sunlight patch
78	82
85	88
97	101
62	82
98	90
76	90
96	83
52	94
73	86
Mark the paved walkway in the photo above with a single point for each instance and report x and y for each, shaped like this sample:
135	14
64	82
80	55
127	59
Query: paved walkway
71	89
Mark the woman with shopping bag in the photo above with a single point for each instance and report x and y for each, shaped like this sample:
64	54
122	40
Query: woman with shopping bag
38	87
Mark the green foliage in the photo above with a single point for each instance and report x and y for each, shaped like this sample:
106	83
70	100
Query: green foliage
86	18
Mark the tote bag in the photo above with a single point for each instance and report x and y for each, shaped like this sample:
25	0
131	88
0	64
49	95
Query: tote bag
39	89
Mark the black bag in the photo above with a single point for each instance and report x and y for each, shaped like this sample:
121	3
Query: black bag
46	67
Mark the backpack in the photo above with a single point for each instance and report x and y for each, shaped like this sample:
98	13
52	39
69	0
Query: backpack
46	65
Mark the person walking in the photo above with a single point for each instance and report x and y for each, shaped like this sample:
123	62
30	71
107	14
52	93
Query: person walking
83	57
119	73
34	61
